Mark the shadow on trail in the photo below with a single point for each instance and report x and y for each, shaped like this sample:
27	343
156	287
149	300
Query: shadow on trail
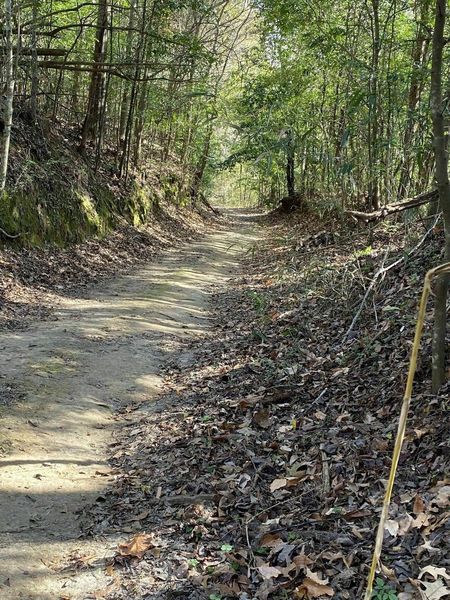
102	355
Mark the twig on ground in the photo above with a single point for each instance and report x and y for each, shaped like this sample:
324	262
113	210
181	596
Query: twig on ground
8	235
326	485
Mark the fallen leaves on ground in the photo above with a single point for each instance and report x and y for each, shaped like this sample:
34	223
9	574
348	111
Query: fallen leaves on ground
137	546
314	587
279	435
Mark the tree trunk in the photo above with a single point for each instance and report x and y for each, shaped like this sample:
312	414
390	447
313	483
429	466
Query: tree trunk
97	78
34	63
373	187
290	168
139	124
419	58
443	185
6	108
201	165
75	96
146	23
127	88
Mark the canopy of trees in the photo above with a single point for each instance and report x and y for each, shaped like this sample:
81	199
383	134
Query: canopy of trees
335	101
133	77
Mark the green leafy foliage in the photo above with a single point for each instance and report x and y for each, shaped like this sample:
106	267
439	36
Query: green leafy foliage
382	591
357	109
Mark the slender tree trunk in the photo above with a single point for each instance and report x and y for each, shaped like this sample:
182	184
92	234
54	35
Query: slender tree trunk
34	63
443	185
6	108
75	94
125	106
202	162
141	53
139	124
373	187
97	79
102	122
419	58
290	167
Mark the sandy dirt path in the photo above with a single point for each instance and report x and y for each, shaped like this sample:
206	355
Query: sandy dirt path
69	377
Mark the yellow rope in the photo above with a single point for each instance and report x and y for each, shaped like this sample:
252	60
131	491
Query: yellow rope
441	269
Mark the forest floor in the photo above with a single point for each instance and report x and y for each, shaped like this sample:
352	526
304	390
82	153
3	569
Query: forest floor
219	431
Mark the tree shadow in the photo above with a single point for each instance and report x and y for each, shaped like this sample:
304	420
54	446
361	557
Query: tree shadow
103	354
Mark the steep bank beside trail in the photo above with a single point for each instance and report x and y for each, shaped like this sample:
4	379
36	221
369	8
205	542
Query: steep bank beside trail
66	219
57	195
262	473
75	380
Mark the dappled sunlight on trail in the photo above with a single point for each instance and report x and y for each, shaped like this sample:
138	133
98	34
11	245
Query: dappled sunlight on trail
102	354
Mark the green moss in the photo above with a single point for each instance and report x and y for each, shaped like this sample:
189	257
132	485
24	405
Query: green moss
8	214
139	204
90	212
62	218
21	213
53	212
107	207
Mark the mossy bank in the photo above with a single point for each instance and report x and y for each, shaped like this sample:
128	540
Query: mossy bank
55	196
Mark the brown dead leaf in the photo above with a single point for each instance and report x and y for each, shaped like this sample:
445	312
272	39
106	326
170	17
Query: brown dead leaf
262	418
109	570
419	505
356	514
420	521
277	484
443	497
286	482
433	591
301	561
404	524
434	572
314	587
270	540
315	590
248	402
137	546
438	523
268	572
380	444
436	589
320	415
392	527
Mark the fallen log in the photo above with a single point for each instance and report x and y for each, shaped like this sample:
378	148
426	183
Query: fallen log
390	209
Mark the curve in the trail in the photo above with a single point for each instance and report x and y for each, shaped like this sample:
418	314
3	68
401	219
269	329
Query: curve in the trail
104	351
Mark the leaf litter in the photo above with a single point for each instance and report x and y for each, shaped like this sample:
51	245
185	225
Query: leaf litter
262	471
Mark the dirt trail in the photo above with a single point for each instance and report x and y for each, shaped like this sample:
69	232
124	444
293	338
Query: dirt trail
103	352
